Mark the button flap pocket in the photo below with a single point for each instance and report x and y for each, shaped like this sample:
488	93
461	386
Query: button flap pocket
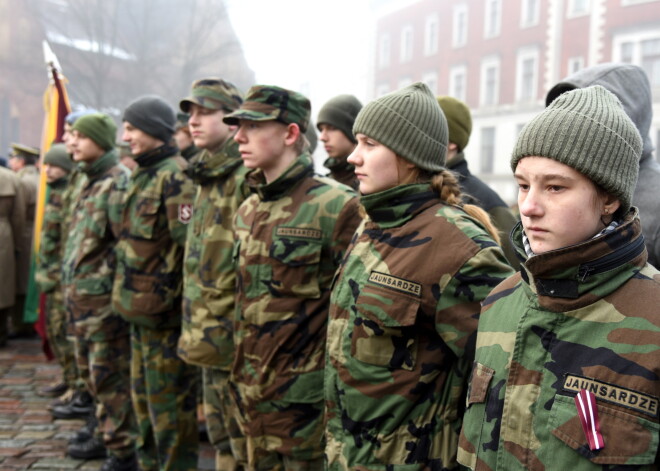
478	388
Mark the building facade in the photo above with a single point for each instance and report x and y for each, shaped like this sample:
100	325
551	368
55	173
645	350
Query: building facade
502	56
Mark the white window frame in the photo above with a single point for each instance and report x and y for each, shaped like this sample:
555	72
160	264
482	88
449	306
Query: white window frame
459	35
431	35
384	50
525	13
636	40
407	40
454	72
488	14
522	56
627	3
573	12
431	80
486	64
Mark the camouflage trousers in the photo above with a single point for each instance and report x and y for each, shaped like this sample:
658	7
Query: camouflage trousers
57	327
105	366
165	400
221	413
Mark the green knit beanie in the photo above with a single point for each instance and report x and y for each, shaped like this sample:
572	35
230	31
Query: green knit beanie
340	112
57	156
459	120
587	129
410	123
99	127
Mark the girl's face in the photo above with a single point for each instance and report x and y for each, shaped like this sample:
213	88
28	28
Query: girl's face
559	206
377	168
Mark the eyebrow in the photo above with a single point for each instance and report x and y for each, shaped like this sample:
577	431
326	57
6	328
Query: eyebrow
546	177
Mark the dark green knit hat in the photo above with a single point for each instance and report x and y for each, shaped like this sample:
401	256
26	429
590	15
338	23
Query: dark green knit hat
587	129
59	157
99	127
340	112
268	103
459	120
153	115
410	123
213	93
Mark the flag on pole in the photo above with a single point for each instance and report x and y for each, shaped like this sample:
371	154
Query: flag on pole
56	107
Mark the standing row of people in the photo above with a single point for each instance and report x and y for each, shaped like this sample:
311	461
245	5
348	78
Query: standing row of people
337	330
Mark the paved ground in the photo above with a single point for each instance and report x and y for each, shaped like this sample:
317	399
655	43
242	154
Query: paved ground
29	437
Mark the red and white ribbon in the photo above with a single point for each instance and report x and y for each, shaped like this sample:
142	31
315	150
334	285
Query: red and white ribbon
585	402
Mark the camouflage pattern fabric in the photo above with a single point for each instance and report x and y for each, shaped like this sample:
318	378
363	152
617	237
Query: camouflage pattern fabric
213	94
290	237
267	103
581	317
342	171
164	392
88	267
209	281
58	339
403	321
107	367
158	207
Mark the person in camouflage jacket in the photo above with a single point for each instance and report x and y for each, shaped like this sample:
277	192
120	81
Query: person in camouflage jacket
209	278
404	308
148	285
290	235
567	364
48	270
101	335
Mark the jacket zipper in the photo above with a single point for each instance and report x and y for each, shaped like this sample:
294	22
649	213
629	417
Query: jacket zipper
613	260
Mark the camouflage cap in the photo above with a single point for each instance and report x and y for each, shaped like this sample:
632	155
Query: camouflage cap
20	150
181	120
268	102
214	94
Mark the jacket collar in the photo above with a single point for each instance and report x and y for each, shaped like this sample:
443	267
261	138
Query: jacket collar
578	275
154	156
211	166
398	205
101	165
301	168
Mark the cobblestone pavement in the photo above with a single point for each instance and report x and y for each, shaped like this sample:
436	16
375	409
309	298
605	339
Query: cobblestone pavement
30	439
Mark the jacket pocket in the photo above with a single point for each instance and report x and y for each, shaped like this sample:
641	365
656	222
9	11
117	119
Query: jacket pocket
151	296
384	332
144	223
295	270
629	439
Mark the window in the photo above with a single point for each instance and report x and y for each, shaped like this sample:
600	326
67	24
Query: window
458	82
578	7
529	15
460	25
431	79
490	72
575	64
406	44
627	50
626	3
526	75
651	60
384	51
493	18
487	149
431	35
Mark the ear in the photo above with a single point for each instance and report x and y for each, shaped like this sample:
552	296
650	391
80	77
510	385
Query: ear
292	134
610	204
452	146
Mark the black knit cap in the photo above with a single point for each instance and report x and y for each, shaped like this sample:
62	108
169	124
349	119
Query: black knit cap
152	114
340	112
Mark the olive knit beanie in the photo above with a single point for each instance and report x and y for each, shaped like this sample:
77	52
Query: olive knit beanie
99	127
410	123
340	112
587	129
459	120
57	156
152	115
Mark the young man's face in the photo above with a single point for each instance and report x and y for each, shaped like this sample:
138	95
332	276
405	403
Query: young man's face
84	148
336	144
138	140
182	139
206	127
559	206
67	138
54	173
261	143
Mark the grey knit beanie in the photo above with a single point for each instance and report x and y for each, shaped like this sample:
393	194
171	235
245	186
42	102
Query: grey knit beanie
587	129
340	112
152	115
410	123
59	157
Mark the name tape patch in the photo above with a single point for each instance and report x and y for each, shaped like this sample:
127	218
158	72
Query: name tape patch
399	284
606	392
299	232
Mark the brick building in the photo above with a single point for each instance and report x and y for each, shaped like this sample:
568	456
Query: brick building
501	57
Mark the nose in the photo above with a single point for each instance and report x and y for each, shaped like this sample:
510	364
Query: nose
323	136
193	119
125	137
355	158
240	135
529	203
